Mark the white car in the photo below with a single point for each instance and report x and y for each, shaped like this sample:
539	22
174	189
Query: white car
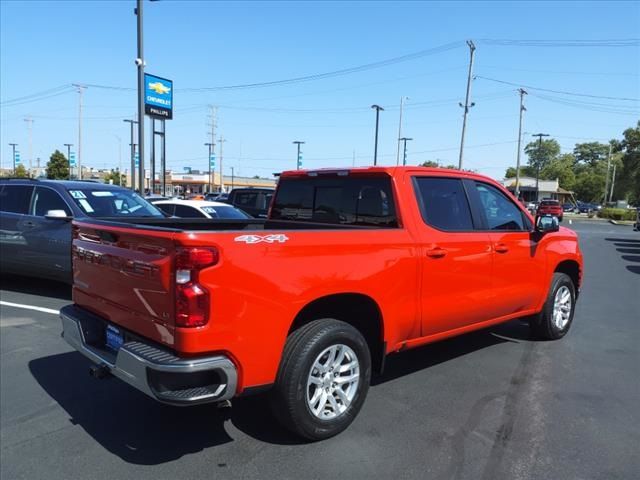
200	209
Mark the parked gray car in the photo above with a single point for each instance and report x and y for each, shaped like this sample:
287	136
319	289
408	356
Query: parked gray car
35	221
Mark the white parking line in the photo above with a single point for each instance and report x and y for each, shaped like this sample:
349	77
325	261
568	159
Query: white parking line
31	307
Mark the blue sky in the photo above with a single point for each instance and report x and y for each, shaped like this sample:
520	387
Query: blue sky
207	44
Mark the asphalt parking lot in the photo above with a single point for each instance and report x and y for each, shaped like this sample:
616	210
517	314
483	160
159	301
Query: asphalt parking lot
488	405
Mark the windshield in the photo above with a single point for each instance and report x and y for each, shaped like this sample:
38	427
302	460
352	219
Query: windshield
102	202
225	212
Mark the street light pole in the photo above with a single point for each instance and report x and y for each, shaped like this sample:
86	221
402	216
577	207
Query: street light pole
402	99
210	145
140	64
467	105
522	110
133	154
13	148
69	145
375	151
539	135
404	158
298	158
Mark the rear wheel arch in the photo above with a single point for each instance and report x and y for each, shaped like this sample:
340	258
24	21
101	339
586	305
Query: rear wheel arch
357	309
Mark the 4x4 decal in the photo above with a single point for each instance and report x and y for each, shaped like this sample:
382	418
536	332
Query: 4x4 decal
251	239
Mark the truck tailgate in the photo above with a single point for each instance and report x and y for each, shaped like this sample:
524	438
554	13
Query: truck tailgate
125	276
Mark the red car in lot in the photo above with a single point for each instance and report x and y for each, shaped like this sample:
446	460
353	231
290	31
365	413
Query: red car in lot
550	207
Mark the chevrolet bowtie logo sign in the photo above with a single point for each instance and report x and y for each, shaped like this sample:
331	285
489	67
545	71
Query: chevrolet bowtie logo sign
158	97
159	88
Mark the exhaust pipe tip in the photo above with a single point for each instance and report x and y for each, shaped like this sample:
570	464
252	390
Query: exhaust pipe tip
99	372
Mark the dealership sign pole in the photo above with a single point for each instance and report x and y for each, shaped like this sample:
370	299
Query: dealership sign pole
158	104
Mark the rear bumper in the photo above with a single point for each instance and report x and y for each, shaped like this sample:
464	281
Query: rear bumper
152	370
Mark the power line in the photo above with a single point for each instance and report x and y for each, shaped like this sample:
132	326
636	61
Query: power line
38	94
621	42
556	91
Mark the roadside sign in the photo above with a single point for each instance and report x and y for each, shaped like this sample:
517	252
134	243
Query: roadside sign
158	97
17	158
72	159
300	160
212	161
137	159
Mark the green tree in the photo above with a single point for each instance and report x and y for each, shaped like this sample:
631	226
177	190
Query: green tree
58	166
525	171
21	172
115	177
627	181
562	169
589	186
541	153
429	163
591	153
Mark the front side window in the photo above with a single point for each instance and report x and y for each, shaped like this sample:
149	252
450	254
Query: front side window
46	199
363	201
499	211
15	198
444	203
102	202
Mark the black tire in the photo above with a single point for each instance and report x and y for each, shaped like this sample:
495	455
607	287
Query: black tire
289	395
542	325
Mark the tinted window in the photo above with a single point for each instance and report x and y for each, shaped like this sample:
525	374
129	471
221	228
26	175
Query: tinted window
183	211
246	199
166	208
15	198
339	200
46	199
500	212
102	202
444	204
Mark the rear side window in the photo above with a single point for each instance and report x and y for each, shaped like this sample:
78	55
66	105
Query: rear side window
444	203
15	198
184	211
246	199
46	199
362	201
167	208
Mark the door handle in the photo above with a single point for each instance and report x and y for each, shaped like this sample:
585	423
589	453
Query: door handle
436	252
501	248
29	224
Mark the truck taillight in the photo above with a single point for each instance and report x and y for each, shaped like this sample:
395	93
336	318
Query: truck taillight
192	299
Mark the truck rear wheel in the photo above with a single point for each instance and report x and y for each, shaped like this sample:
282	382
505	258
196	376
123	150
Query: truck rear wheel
555	319
323	379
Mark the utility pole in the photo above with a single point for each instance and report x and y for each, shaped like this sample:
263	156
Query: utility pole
69	145
80	92
467	105
211	164
232	178
29	121
522	110
404	157
613	183
222	140
606	180
299	157
140	64
375	151
13	149
402	99
133	154
539	135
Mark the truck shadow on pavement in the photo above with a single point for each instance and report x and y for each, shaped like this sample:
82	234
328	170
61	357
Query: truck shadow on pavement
630	247
142	431
35	286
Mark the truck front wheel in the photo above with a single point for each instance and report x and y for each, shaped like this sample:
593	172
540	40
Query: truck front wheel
554	320
323	379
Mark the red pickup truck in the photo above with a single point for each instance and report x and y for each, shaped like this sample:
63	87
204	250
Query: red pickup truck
350	266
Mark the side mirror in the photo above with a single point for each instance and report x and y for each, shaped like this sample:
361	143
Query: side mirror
57	215
547	223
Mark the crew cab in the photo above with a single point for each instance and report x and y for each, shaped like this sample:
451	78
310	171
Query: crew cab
350	266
